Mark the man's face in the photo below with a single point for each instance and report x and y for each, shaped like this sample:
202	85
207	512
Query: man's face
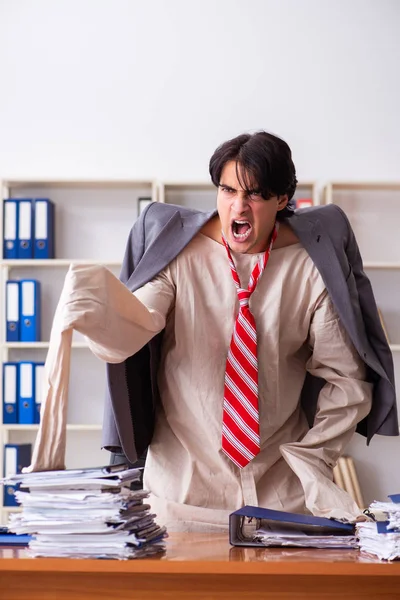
247	219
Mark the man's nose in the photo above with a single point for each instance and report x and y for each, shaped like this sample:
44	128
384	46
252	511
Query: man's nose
239	204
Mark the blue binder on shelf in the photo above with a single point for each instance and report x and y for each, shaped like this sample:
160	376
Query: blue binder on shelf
10	393
25	228
16	456
30	310
43	246
10	229
26	393
38	378
238	536
12	311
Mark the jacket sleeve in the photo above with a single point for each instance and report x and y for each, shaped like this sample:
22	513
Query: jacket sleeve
111	439
383	416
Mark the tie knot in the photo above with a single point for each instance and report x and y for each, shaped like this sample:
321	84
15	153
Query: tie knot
244	297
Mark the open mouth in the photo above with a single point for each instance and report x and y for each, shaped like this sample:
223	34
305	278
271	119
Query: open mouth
241	230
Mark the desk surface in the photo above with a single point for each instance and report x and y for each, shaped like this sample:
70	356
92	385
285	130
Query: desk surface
202	566
212	553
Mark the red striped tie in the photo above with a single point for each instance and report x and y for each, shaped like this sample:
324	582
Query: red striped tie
240	419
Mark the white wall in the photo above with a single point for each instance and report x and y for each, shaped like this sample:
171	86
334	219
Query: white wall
149	88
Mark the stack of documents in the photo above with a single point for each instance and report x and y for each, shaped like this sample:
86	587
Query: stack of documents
382	538
87	513
254	526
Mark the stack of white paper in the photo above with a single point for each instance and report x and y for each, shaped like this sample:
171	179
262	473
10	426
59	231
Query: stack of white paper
382	538
278	535
88	513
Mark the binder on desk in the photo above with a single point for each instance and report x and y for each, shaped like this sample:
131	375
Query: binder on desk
26	393
16	456
12	311
44	229
10	229
38	378
30	310
238	536
10	387
25	228
7	538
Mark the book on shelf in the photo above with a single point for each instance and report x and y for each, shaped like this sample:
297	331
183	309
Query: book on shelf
345	476
303	202
385	331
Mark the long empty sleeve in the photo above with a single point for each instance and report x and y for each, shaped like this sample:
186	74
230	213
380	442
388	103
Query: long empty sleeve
116	325
344	400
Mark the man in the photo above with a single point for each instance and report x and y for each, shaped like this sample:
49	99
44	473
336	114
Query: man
245	357
233	432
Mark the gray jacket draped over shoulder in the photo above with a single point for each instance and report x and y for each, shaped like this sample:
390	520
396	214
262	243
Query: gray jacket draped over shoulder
161	233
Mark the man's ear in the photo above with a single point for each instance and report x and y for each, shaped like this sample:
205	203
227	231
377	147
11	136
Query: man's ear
282	201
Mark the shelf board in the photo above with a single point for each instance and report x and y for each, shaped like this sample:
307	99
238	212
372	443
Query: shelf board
395	347
191	185
57	262
37	345
24	183
381	265
365	185
70	427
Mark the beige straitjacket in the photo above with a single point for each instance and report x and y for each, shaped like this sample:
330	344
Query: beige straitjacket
193	484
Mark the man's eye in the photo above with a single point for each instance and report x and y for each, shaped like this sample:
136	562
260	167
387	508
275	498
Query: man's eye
255	196
226	190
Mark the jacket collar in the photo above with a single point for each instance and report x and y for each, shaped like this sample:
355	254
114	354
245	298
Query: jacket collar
178	230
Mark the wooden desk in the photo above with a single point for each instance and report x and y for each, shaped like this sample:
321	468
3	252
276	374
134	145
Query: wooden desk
199	566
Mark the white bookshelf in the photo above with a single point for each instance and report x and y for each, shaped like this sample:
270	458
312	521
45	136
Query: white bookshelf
373	209
92	224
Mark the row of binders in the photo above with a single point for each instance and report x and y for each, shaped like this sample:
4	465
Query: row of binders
22	387
16	457
28	228
23	310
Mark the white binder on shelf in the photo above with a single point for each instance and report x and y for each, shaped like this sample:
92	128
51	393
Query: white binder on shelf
25	228
39	379
26	393
12	311
10	229
30	310
43	247
10	393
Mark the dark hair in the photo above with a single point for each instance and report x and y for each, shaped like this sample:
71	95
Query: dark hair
265	163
